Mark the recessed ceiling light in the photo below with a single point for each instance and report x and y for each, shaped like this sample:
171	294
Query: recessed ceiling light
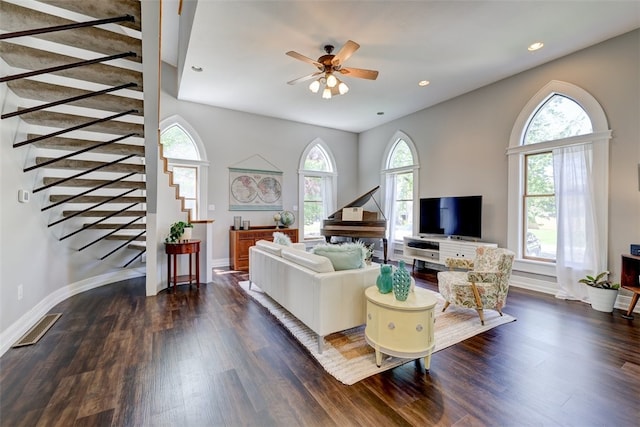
196	69
423	83
535	46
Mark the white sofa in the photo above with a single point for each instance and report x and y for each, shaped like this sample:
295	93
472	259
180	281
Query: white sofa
307	286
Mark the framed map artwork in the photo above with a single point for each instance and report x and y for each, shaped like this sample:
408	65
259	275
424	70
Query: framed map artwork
254	190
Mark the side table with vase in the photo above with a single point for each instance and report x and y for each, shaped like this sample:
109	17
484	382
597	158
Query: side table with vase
401	328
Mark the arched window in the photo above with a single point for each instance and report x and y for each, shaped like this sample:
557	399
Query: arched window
186	159
558	186
400	170
317	187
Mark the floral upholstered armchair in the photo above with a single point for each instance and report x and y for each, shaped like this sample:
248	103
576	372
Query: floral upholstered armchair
484	286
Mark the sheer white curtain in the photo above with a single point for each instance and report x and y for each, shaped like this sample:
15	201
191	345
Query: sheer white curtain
578	246
389	212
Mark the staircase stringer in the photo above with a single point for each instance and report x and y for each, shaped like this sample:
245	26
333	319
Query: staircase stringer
176	187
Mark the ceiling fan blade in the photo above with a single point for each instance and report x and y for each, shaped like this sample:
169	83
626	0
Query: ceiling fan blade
359	73
303	58
344	53
305	78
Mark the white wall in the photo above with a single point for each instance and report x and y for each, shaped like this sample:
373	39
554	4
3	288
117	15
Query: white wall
461	143
231	137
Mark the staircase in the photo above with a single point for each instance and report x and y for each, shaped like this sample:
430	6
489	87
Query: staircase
74	75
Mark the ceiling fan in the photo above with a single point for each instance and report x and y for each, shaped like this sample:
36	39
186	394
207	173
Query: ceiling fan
328	66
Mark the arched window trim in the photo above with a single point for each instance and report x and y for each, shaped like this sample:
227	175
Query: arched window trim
202	164
386	172
600	138
189	130
328	177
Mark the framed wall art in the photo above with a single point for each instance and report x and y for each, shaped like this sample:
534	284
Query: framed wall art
254	189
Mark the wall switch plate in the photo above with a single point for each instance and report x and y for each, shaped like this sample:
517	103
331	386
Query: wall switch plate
20	292
212	207
23	196
295	207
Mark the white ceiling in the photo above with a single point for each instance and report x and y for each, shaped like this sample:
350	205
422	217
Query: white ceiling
458	46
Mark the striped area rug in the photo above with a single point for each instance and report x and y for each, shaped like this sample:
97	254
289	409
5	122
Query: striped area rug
348	357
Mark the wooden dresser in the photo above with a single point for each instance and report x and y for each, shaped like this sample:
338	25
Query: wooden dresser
241	240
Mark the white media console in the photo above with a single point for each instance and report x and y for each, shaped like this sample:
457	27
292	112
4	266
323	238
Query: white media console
437	249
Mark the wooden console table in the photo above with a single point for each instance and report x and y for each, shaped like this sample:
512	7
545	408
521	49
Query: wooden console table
401	328
241	240
630	280
190	247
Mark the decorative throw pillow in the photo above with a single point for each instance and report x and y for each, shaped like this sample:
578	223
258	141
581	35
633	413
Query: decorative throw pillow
282	239
347	256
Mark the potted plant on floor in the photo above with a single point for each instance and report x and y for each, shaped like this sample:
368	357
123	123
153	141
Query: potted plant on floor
179	231
602	292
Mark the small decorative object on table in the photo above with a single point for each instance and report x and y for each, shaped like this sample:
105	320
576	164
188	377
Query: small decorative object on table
276	218
384	282
401	282
179	231
287	218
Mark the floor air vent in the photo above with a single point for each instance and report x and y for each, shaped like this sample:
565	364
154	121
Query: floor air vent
34	334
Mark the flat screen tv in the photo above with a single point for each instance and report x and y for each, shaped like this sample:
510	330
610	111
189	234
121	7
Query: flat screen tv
451	216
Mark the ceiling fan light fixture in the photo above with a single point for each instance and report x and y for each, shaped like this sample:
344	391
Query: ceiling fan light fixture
343	88
332	81
315	86
326	93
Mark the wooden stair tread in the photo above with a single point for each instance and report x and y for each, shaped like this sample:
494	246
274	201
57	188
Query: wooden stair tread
88	164
17	18
113	226
73	144
126	237
54	198
95	213
103	9
39	91
36	59
65	121
138	246
92	183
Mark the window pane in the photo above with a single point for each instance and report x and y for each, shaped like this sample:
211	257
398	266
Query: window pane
186	178
177	144
313	206
400	155
317	160
403	207
559	117
540	227
539	174
403	220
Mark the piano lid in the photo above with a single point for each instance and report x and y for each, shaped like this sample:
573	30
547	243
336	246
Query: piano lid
359	202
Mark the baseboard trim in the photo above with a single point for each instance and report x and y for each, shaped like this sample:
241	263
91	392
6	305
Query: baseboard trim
31	317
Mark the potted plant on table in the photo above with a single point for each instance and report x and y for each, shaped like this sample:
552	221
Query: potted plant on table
179	231
602	291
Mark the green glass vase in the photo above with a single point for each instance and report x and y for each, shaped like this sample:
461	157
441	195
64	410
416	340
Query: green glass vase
401	282
384	282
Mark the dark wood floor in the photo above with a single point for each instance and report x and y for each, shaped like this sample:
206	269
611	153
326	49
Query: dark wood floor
214	357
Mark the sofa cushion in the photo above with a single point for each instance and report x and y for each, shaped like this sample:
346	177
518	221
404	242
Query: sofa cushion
317	263
271	247
347	256
281	238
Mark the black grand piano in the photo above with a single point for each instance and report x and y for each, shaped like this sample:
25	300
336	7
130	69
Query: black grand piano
369	227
